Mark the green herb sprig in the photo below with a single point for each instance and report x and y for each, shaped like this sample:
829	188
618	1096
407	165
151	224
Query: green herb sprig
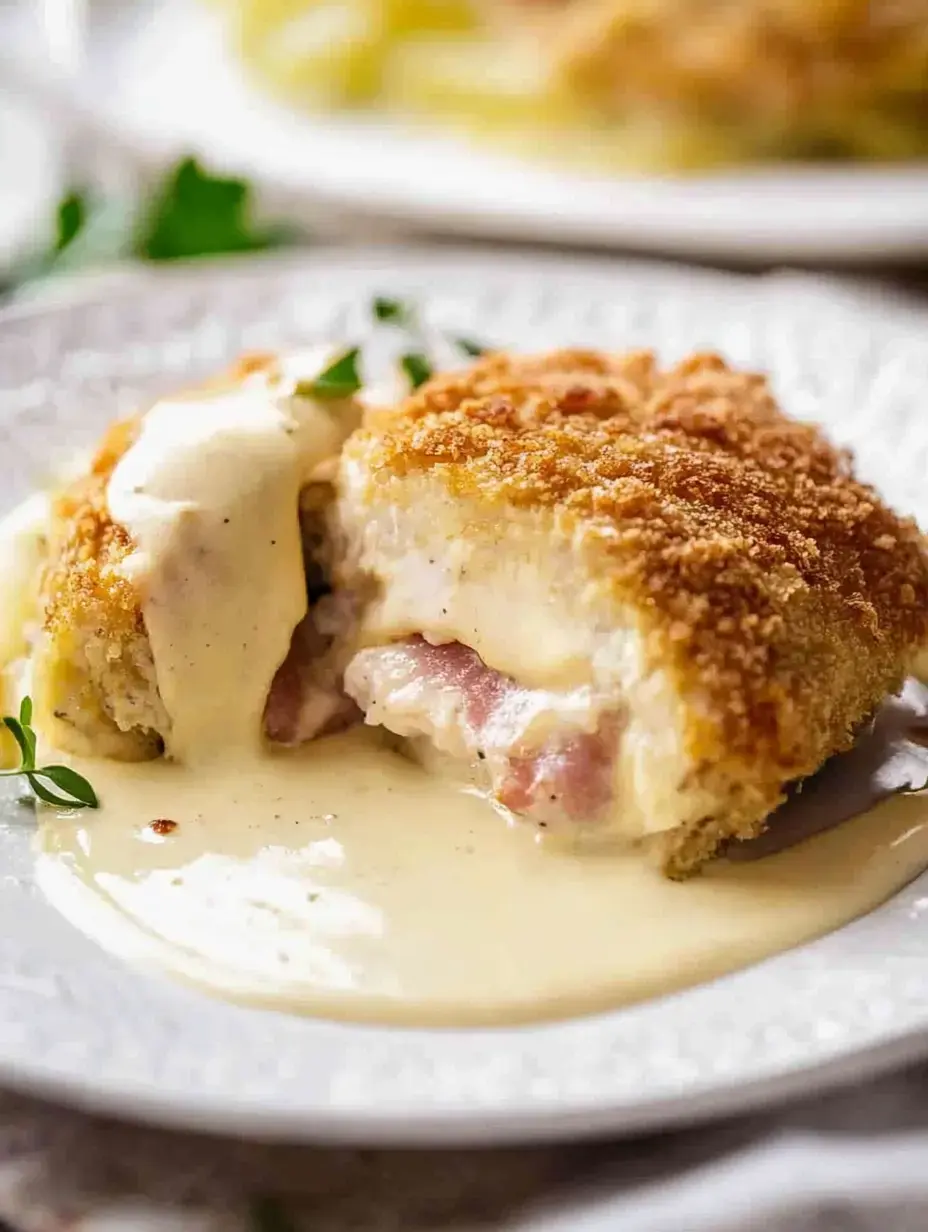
76	791
341	379
195	212
416	365
190	212
392	311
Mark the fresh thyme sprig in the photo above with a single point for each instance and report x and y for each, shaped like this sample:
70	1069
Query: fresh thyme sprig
416	365
342	378
78	793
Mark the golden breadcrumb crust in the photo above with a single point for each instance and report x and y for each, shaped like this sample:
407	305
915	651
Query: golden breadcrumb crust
95	662
785	599
87	546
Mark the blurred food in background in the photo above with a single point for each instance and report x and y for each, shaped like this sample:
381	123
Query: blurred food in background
188	212
647	83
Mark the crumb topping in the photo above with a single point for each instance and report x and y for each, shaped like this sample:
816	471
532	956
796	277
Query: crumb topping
88	546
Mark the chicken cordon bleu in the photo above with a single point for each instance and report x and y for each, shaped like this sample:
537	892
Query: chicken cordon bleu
636	602
183	599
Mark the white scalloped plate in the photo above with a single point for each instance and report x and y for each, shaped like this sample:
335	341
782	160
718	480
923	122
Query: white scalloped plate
159	79
78	1025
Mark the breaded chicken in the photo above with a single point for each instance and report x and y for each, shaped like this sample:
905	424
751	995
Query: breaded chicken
97	682
636	601
93	675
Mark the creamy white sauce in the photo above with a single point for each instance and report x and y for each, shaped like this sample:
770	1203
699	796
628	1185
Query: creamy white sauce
344	881
209	493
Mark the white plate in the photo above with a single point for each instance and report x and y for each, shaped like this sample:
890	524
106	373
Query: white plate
160	78
78	1025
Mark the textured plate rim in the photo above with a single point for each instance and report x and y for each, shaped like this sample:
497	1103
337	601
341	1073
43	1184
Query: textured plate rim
479	1127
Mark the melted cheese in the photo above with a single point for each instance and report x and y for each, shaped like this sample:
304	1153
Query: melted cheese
209	493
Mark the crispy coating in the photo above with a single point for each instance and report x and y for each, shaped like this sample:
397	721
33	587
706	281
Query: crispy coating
87	546
93	661
782	596
95	679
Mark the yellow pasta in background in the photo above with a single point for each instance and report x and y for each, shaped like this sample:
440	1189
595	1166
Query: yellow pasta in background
650	83
336	51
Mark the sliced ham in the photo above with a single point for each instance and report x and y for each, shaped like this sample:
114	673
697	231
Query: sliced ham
306	699
548	755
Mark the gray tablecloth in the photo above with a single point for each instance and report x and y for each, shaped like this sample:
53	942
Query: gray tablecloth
851	1162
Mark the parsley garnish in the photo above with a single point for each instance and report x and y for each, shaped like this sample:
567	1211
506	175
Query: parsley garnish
469	347
340	380
416	367
195	213
415	364
190	213
392	310
77	791
71	218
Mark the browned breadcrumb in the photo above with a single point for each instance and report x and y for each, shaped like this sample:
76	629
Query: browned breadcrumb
93	626
95	680
784	596
87	546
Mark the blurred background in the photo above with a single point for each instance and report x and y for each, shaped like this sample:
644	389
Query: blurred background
729	131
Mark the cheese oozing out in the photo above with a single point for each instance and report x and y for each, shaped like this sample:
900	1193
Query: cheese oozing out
210	495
